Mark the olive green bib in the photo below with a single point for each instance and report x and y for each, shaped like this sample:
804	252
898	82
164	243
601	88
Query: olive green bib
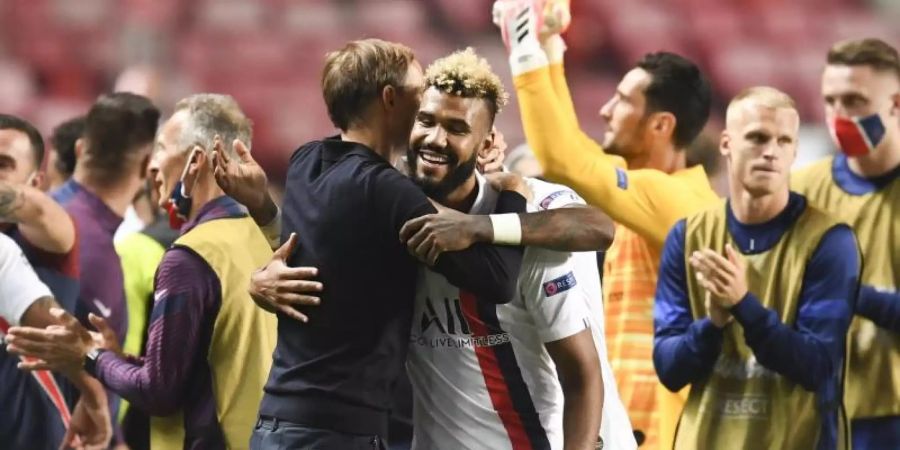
873	355
741	404
243	337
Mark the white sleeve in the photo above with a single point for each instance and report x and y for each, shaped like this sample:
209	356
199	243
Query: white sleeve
19	285
553	294
552	196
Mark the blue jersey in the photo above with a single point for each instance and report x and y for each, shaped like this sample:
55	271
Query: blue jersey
37	404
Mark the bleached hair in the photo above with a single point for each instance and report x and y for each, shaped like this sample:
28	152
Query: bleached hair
466	74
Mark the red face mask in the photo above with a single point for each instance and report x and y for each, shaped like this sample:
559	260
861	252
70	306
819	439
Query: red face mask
857	136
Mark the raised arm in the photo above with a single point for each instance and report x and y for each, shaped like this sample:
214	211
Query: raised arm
244	180
555	47
42	221
646	201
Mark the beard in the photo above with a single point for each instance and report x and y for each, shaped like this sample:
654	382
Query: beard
456	176
627	143
613	149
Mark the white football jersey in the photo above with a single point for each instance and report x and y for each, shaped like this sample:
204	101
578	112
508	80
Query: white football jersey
481	376
20	287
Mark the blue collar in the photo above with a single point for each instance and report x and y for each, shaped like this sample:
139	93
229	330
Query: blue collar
223	207
854	184
760	237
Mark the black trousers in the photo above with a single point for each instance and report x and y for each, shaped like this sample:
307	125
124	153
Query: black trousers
274	434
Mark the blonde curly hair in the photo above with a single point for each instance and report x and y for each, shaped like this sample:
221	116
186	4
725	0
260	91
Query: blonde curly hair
466	74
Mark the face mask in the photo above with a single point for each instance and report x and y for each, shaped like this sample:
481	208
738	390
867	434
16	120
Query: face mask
178	207
179	204
857	136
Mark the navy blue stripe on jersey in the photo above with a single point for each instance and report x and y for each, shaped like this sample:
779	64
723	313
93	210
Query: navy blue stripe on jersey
515	382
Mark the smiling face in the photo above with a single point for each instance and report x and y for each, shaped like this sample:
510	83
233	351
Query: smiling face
448	133
760	143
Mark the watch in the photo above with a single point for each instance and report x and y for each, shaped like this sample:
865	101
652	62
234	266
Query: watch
90	360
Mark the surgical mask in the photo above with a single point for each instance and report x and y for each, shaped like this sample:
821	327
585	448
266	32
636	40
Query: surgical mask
180	203
857	136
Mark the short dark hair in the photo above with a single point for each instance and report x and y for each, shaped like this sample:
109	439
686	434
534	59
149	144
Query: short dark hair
678	86
116	125
62	142
871	52
9	122
355	75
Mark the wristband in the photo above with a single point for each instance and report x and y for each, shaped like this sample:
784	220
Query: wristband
507	229
527	58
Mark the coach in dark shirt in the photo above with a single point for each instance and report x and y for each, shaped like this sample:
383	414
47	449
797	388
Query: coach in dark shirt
331	380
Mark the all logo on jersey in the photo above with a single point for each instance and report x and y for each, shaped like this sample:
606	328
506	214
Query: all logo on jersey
561	284
453	313
451	328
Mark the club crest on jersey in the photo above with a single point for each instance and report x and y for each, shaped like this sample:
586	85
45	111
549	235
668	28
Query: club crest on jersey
561	284
565	194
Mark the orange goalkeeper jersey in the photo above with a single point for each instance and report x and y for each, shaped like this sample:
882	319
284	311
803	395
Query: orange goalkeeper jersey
645	204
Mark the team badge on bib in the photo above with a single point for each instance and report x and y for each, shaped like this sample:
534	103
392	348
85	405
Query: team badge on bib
561	284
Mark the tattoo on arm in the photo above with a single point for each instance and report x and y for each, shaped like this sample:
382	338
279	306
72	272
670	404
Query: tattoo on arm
573	228
11	199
